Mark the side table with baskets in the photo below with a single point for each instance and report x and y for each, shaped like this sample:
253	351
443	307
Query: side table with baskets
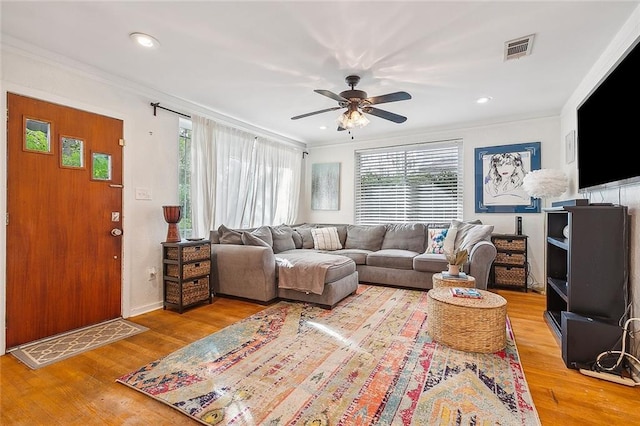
186	270
510	269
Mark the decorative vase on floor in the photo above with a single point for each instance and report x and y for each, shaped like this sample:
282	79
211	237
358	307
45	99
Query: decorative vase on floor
454	269
172	214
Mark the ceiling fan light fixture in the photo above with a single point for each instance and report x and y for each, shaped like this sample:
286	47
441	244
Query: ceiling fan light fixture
352	118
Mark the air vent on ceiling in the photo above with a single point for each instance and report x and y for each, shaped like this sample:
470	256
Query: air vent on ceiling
514	49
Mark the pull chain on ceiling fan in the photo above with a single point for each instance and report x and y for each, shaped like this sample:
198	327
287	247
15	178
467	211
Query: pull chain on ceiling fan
357	103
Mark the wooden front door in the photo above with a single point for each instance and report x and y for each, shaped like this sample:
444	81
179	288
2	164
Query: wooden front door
64	199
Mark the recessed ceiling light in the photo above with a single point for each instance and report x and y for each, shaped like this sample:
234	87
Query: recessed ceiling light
144	40
323	127
484	99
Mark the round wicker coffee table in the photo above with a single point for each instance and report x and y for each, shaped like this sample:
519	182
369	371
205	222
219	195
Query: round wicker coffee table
440	281
466	324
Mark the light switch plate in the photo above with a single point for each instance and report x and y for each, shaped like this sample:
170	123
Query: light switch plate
143	194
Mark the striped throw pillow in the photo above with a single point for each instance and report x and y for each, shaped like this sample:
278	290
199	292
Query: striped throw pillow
326	238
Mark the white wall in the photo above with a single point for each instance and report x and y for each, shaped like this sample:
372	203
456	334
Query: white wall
544	130
628	195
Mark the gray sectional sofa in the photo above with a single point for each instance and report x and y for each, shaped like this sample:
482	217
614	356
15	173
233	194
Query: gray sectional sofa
254	263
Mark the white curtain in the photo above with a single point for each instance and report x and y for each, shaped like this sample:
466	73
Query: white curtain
239	180
203	177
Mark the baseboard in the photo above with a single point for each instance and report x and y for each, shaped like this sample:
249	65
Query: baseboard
146	308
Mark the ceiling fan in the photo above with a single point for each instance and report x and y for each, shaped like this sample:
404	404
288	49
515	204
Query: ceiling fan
357	102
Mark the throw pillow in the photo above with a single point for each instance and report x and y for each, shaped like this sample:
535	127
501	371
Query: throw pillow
249	239
435	242
297	238
305	233
264	233
282	238
469	234
229	236
326	238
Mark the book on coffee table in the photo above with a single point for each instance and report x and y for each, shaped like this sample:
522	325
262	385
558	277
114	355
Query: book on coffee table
471	293
460	276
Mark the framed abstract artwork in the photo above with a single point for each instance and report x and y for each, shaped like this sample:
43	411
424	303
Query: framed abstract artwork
499	171
325	186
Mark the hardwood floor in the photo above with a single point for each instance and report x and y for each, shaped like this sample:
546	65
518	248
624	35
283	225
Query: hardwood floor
82	390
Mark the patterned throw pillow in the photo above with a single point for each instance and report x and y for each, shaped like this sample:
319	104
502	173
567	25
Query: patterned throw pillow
435	243
326	238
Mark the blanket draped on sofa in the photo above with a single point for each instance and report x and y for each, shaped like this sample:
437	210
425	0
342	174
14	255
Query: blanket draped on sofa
306	272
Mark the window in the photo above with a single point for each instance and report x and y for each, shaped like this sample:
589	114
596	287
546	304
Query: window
410	183
184	176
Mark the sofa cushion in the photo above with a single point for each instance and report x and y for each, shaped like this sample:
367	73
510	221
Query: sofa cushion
282	238
365	237
405	236
297	239
264	233
326	238
468	234
430	262
435	240
392	258
340	266
229	236
248	239
357	255
305	234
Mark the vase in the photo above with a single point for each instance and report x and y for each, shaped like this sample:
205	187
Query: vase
172	215
453	269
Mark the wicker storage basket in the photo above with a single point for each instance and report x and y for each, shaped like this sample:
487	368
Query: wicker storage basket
189	270
465	324
192	291
510	258
508	244
191	253
439	281
507	275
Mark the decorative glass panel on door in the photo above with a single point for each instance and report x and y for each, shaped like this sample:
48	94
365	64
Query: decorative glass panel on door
101	166
71	152
37	135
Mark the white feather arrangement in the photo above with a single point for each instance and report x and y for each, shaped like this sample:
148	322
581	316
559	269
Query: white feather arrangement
545	183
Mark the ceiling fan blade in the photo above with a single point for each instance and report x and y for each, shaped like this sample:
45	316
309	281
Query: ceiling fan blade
384	114
331	95
315	112
389	97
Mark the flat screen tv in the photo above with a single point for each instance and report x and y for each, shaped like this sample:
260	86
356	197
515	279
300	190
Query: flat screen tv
608	133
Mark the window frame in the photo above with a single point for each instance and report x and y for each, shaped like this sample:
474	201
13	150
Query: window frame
443	156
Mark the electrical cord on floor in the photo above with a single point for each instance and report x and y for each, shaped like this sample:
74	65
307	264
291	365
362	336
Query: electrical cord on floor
622	353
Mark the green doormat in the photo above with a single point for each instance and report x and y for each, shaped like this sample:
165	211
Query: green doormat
45	352
368	361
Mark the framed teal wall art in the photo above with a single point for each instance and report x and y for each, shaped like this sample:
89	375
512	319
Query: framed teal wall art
325	186
499	171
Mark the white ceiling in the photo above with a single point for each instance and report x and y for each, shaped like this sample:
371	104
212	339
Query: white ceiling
259	62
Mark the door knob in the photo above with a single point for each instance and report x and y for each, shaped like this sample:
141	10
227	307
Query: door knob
116	232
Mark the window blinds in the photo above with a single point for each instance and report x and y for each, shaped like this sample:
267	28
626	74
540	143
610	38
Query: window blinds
411	183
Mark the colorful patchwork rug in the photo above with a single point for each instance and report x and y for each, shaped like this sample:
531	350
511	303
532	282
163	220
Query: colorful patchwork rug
369	361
